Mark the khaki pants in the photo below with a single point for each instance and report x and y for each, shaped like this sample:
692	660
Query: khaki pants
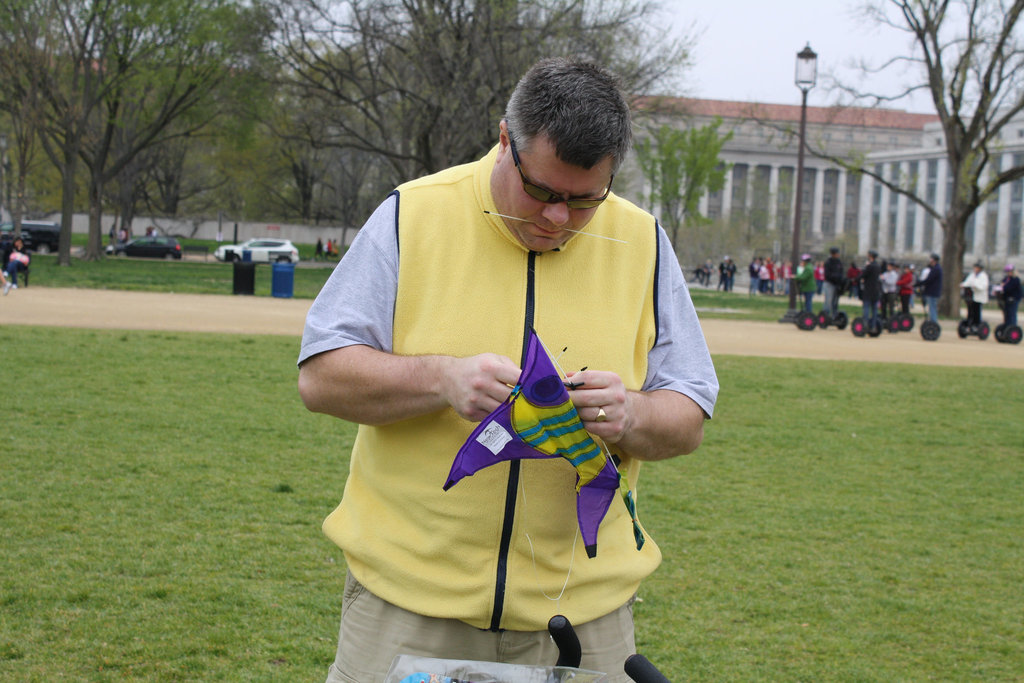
373	632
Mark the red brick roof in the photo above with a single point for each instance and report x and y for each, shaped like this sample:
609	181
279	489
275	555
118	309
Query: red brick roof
850	116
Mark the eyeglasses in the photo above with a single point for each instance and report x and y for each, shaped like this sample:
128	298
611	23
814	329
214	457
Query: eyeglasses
542	194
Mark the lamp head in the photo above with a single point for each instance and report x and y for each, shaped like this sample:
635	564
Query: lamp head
806	68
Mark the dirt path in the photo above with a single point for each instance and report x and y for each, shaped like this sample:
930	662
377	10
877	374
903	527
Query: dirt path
268	315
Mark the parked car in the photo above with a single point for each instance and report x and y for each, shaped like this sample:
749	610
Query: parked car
41	237
260	250
156	246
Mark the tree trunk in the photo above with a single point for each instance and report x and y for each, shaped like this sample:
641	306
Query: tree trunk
94	242
953	248
67	203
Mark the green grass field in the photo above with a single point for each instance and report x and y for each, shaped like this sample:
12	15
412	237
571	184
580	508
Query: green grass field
161	496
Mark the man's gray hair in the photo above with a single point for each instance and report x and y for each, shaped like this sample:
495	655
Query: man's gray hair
579	107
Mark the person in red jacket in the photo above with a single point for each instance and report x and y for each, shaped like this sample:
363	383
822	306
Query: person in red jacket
853	277
905	287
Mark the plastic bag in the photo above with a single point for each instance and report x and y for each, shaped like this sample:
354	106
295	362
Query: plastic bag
414	669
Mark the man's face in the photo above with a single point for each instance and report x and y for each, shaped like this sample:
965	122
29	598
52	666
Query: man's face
546	226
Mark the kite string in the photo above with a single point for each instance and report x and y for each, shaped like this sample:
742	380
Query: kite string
554	359
533	555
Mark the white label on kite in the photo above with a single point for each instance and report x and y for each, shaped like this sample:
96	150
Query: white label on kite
494	437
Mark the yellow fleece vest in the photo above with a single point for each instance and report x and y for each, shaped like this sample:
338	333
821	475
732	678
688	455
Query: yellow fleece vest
482	553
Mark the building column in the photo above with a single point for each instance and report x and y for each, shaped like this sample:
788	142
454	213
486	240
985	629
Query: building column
840	200
773	196
864	215
977	245
818	201
899	235
938	235
727	195
748	196
883	245
920	215
1002	247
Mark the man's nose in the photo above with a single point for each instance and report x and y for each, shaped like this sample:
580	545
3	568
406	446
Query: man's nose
557	214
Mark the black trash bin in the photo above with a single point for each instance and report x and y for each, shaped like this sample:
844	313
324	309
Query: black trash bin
244	277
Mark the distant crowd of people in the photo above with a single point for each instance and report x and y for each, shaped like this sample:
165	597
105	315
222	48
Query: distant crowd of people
328	251
885	288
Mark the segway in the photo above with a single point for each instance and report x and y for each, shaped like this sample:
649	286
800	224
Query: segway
930	330
840	320
965	329
1008	334
806	321
904	322
859	327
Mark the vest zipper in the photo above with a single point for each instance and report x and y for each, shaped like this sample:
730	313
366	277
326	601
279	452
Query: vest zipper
512	488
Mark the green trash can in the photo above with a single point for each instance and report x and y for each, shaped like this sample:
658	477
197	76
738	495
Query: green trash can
244	281
282	280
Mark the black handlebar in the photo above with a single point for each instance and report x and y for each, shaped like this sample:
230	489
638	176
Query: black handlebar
642	671
569	652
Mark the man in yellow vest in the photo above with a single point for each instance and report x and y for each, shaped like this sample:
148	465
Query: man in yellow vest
419	335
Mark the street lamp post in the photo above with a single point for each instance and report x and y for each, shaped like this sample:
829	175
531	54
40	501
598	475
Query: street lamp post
806	77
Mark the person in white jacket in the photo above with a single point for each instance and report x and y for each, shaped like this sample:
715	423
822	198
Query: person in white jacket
976	291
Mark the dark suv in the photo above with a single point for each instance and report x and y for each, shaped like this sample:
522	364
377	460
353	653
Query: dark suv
39	236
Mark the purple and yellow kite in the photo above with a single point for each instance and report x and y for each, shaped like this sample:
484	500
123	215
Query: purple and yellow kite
538	420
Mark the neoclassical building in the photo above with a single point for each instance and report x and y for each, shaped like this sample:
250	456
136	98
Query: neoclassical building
837	206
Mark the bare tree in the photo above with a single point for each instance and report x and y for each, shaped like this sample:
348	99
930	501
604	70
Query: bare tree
967	55
421	84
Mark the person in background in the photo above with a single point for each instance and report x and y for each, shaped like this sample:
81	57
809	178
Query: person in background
976	290
871	289
17	262
834	282
728	268
419	334
889	276
1010	291
905	288
931	287
768	281
754	270
804	282
853	278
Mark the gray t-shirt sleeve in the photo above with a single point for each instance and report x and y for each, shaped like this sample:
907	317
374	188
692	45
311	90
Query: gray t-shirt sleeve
680	359
357	304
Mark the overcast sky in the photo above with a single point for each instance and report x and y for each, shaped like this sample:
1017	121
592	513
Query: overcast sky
746	49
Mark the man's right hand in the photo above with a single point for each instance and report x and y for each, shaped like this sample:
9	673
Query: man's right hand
476	385
364	385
